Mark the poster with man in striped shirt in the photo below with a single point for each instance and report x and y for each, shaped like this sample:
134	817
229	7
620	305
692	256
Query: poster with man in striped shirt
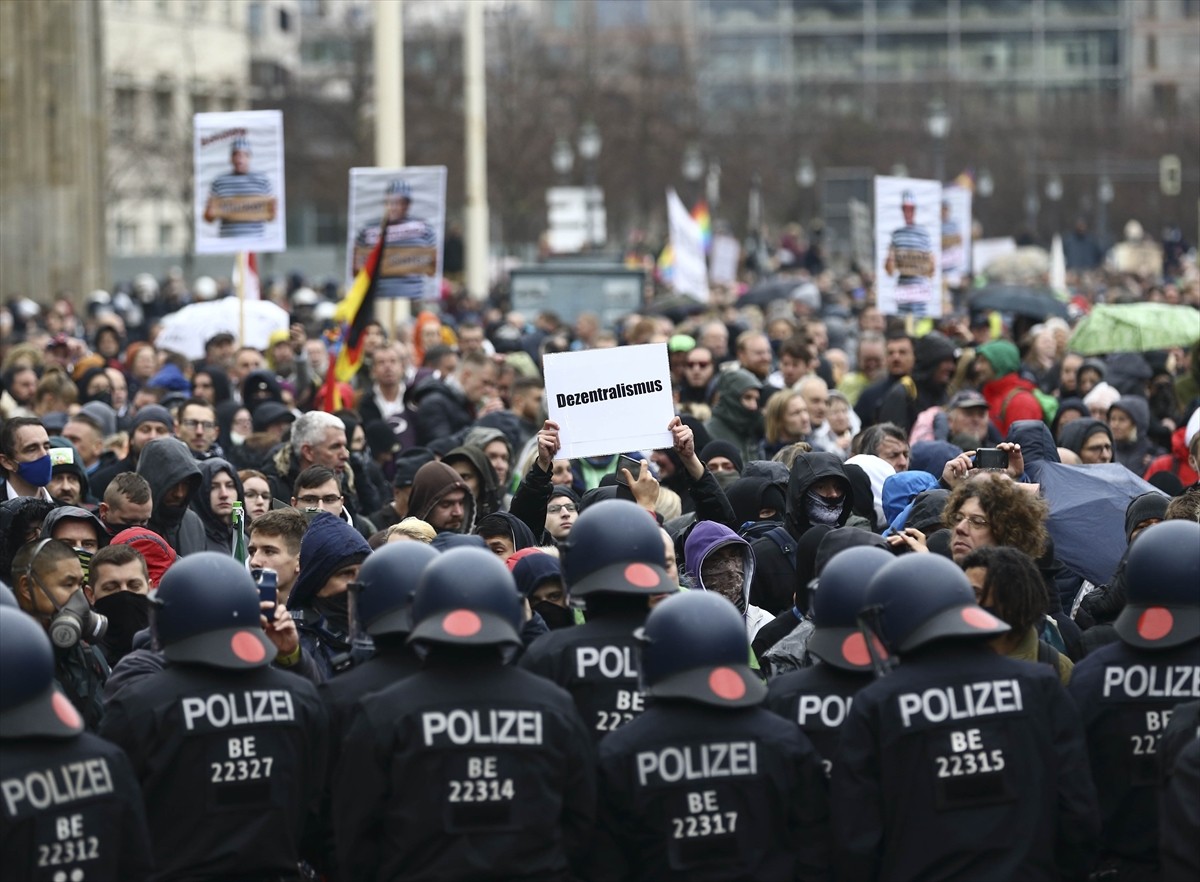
908	271
239	182
407	206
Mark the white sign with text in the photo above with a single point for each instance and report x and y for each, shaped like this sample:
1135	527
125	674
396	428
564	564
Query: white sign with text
608	401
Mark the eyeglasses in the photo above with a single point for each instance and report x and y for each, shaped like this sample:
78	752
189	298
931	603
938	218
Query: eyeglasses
568	506
974	520
198	424
699	364
319	500
261	494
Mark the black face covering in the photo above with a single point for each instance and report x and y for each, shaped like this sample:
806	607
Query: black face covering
554	615
336	610
127	614
105	397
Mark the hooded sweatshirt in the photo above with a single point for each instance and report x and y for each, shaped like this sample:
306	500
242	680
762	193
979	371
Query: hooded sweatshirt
1037	445
490	492
433	481
915	393
1076	433
899	492
877	471
218	534
730	420
74	512
164	463
706	538
1135	455
774	586
1009	397
518	530
1175	462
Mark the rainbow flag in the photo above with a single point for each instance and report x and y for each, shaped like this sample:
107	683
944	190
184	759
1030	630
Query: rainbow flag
666	264
701	216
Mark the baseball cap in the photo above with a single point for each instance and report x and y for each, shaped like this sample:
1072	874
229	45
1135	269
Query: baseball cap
966	398
268	413
907	198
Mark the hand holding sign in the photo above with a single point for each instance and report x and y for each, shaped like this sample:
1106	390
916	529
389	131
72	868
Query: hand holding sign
685	448
547	445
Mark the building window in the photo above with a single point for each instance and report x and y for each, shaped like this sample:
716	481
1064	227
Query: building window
126	236
124	109
166	236
164	111
200	103
285	21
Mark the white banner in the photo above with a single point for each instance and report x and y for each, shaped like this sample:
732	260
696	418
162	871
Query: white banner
724	260
908	266
609	401
238	200
413	200
956	235
687	243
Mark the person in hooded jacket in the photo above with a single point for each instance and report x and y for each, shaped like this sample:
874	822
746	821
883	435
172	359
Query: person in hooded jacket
818	493
719	560
736	417
1089	439
925	387
442	499
1069	410
473	467
215	509
504	533
1129	420
1009	395
331	553
174	477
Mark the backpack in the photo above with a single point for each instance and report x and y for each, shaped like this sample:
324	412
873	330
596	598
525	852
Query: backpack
1048	402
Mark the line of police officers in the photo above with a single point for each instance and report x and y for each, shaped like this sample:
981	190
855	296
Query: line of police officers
634	746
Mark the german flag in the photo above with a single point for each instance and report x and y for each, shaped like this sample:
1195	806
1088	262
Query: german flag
352	315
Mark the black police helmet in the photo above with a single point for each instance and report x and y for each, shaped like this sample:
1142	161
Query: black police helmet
694	646
614	546
466	597
841	594
918	598
31	703
384	589
206	611
1162	573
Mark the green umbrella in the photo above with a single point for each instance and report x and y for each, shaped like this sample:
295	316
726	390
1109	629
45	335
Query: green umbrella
1135	327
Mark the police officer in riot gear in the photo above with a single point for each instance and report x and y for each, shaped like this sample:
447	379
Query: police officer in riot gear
69	804
49	586
960	763
615	562
381	611
705	784
1126	691
230	751
818	698
469	768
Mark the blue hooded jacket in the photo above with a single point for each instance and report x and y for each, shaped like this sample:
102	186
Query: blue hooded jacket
329	544
899	492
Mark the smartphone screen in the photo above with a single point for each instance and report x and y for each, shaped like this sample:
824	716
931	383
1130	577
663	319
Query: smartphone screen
627	462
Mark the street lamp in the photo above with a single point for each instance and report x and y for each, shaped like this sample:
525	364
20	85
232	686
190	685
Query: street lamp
589	148
938	124
985	185
806	174
562	157
1104	195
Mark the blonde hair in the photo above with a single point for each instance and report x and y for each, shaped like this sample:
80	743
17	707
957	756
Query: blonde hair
773	414
668	504
410	529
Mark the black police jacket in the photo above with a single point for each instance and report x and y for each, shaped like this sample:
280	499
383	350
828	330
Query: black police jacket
1125	696
465	771
817	699
1179	796
81	671
388	666
597	663
70	809
963	764
696	793
231	765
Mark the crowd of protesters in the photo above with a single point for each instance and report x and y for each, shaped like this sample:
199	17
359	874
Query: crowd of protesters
805	425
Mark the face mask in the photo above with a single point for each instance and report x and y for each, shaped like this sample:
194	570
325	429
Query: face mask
74	620
127	613
105	397
821	510
554	615
237	438
724	479
85	561
335	610
36	473
115	528
727	577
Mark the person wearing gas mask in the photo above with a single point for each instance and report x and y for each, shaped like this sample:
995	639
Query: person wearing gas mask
24	459
49	586
118	589
717	559
330	555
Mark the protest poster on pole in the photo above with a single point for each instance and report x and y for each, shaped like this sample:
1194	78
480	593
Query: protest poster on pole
687	244
908	266
609	401
413	202
238	201
956	235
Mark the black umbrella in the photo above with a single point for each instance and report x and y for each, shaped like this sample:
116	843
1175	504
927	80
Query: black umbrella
765	293
1035	303
677	307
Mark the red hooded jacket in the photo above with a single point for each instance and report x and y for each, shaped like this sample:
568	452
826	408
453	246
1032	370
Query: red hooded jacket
1176	461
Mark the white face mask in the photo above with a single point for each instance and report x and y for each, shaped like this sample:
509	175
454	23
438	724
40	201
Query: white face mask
237	437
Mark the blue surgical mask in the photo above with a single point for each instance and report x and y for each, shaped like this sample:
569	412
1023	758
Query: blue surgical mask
37	472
